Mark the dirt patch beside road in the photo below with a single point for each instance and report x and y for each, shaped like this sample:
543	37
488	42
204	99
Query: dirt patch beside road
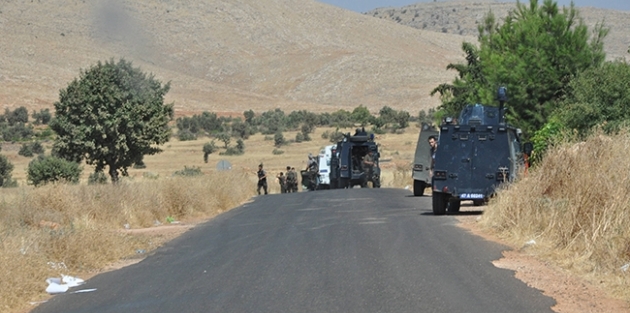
572	294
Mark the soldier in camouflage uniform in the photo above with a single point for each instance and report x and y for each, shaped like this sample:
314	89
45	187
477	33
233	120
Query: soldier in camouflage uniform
292	181
283	182
262	179
368	167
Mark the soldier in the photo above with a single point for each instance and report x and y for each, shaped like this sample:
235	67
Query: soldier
283	182
262	179
368	166
433	143
291	180
313	168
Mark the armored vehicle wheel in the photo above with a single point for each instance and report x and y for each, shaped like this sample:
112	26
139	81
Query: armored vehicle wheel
440	201
333	184
418	188
376	183
454	205
344	183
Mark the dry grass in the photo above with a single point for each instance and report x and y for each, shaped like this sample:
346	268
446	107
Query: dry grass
82	226
575	206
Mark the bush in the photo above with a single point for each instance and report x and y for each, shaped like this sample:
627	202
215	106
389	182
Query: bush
336	136
325	135
50	169
186	135
277	152
5	171
43	117
299	137
26	150
37	147
231	151
278	139
17	132
189	171
97	178
29	149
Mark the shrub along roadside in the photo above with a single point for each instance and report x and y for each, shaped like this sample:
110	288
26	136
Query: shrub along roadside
574	205
58	223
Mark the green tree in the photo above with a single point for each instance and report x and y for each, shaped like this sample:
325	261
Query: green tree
19	115
361	115
112	116
208	149
387	114
598	96
225	137
49	169
249	117
465	88
402	119
535	53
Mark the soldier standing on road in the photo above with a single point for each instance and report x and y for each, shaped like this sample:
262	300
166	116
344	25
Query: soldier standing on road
312	167
291	180
283	182
433	144
368	166
262	179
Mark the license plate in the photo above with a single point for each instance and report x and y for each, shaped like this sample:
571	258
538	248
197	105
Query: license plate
471	196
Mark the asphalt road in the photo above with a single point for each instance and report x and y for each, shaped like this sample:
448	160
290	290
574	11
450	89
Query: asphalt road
358	250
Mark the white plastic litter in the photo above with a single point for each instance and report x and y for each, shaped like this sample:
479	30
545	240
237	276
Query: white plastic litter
55	288
72	281
60	285
625	267
530	243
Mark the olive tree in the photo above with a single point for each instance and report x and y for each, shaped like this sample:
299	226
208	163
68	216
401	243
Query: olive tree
111	116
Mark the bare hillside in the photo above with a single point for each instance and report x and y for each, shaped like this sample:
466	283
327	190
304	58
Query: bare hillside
225	55
461	17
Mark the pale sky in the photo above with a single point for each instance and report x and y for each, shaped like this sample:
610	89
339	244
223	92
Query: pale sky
367	5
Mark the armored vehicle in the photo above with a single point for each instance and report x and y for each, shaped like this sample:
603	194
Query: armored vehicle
422	160
346	162
475	155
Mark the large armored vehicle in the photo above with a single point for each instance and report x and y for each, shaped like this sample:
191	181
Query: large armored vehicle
422	160
346	163
475	155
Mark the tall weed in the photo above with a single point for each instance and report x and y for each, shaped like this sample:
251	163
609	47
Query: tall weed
575	205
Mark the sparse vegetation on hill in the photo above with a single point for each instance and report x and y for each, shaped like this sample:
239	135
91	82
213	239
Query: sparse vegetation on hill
463	17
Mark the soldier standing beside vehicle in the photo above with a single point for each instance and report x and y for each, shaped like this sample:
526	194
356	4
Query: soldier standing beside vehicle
433	143
313	168
291	180
283	182
368	166
262	179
